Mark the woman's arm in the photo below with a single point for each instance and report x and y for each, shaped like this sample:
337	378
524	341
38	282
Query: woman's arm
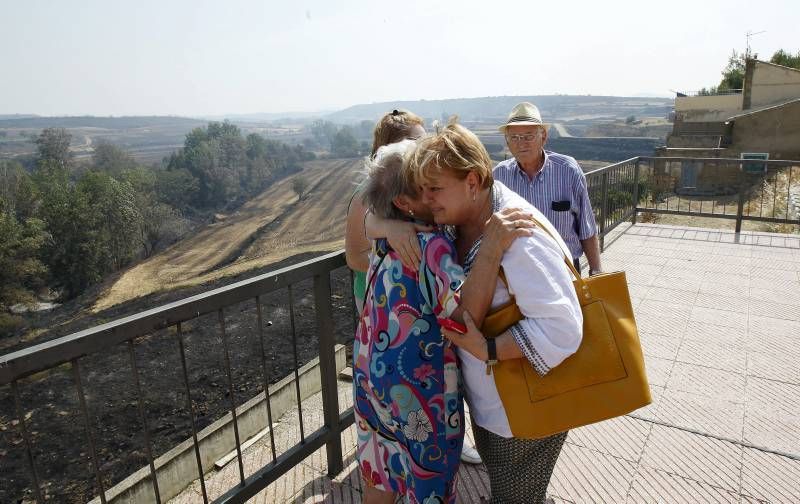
356	244
501	230
401	235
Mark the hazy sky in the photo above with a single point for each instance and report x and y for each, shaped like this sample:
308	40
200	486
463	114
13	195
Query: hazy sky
100	57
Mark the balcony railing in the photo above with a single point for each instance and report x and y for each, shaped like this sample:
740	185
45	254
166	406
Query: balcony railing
764	191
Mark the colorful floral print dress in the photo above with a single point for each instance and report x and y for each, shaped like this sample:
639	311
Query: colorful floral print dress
408	410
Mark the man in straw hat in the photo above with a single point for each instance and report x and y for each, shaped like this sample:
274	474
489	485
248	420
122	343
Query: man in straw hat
552	182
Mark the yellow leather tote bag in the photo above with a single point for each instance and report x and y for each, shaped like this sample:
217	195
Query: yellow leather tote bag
605	378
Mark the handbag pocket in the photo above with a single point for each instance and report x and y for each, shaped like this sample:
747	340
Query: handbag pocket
593	364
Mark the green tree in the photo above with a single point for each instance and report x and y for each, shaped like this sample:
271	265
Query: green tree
786	59
52	148
111	159
18	190
344	143
21	272
733	73
300	186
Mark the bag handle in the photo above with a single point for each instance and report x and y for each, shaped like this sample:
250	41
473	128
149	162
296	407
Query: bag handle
567	260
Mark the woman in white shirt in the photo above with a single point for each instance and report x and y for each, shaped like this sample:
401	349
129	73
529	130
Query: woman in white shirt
455	173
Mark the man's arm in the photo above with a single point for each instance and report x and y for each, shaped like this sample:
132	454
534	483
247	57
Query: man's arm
591	247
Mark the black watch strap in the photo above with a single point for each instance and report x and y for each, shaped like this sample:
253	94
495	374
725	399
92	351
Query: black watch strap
491	354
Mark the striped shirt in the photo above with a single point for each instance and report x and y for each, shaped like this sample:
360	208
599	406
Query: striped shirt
559	192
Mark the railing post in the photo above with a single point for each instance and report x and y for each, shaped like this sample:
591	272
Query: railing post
740	206
327	370
635	191
603	211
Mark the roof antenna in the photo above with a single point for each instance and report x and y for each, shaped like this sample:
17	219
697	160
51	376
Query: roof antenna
750	35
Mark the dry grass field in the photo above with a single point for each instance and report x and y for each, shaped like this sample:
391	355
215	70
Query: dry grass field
268	228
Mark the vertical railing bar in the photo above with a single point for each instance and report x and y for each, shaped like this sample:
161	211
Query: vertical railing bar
266	378
227	360
636	173
27	439
296	365
775	194
143	419
789	191
603	211
191	414
761	207
76	373
327	371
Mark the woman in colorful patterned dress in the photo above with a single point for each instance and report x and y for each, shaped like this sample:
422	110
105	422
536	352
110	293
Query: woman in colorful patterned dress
409	412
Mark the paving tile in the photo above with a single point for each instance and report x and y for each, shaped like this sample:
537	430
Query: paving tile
770	295
704	414
727	278
717	463
718	317
653	485
621	437
677	281
788	285
584	475
771	326
658	370
770	477
724	356
764	397
667	325
711	287
735	304
775	432
775	310
671	295
707	381
715	333
659	345
655	308
765	365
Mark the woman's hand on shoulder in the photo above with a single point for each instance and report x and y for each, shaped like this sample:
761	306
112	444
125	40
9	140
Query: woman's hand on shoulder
507	225
402	237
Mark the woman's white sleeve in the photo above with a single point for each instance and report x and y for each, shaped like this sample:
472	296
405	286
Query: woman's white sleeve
542	285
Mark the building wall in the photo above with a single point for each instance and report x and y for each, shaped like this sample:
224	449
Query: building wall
772	84
707	108
776	131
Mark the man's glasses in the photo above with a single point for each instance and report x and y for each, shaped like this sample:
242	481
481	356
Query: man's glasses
523	138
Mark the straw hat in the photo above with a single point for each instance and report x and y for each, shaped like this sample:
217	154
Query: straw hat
524	114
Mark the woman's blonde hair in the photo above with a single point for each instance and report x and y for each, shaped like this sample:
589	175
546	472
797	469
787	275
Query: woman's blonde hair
455	148
393	127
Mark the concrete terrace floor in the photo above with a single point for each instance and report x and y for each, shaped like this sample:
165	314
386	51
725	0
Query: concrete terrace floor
719	323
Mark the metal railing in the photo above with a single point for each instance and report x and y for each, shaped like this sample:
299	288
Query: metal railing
74	349
708	92
720	188
736	189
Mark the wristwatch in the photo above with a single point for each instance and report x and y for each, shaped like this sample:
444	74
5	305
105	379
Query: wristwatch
491	354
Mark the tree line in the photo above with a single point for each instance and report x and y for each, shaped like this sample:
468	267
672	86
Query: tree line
66	225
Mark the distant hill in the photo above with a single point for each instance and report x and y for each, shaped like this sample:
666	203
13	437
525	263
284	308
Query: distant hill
16	116
495	108
124	122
